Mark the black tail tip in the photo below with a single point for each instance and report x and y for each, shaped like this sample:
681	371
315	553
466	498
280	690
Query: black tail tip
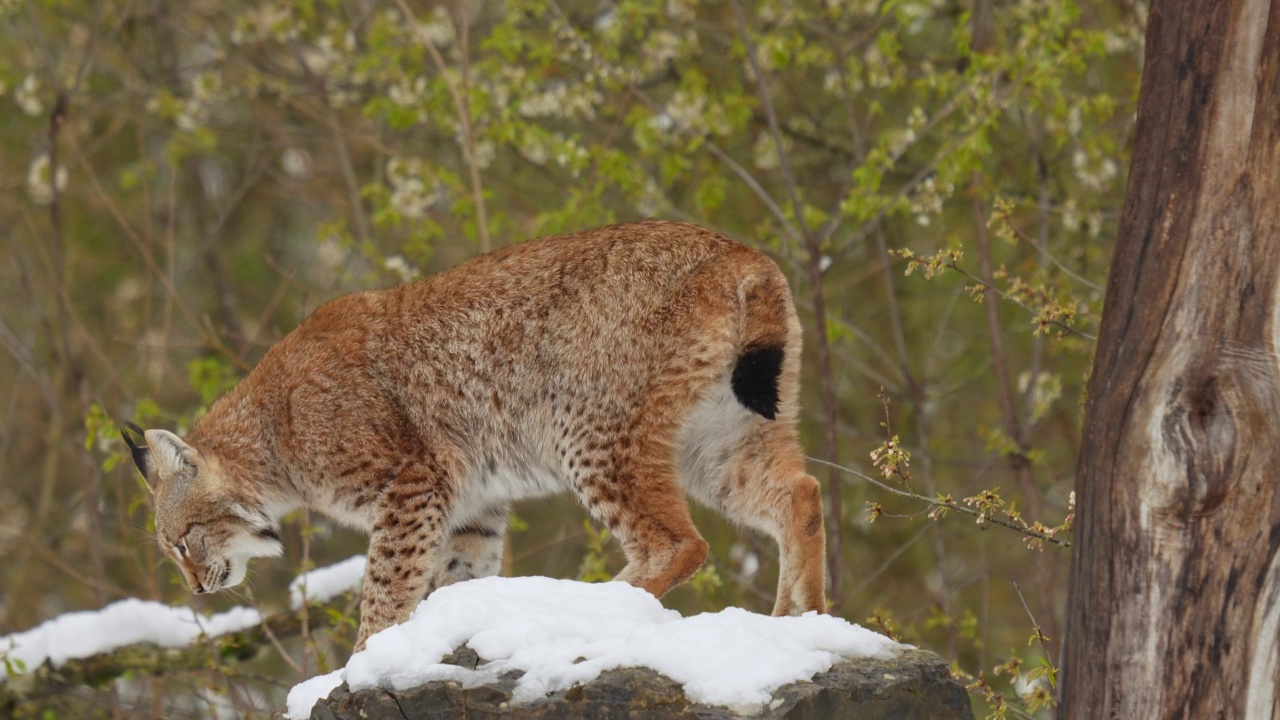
755	380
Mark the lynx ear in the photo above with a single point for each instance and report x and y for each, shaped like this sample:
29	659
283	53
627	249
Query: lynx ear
169	452
141	454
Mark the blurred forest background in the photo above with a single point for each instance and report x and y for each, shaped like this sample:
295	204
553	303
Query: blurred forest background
184	182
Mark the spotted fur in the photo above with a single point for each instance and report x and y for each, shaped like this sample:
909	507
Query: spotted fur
628	365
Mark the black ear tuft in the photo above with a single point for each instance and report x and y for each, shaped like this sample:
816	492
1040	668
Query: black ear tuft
141	453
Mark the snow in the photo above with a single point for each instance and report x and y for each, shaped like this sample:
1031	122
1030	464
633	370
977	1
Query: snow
322	584
82	634
557	632
561	632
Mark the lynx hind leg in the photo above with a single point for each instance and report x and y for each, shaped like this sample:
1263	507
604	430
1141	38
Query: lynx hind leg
662	546
631	487
766	487
473	549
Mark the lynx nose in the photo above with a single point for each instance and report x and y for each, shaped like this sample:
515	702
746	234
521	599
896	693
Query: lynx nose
199	589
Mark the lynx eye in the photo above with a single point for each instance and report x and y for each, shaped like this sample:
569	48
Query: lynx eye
181	548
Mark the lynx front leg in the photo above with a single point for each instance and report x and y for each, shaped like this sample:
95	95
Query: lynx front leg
403	550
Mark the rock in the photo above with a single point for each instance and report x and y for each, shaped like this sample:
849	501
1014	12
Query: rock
914	685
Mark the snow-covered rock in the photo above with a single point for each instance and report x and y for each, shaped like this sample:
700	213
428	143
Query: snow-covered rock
912	685
538	641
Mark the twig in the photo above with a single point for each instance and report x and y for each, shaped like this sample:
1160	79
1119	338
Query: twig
946	503
275	641
1035	625
304	612
1017	428
462	104
871	577
211	340
102	586
286	279
1042	204
784	161
1005	296
753	184
26	360
814	251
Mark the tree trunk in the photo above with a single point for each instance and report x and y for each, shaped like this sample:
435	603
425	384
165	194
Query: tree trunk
1174	603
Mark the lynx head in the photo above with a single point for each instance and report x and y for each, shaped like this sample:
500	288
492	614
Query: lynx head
208	528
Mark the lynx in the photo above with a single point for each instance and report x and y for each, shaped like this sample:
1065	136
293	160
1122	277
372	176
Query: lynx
630	365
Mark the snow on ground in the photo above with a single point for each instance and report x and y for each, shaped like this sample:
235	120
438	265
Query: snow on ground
82	634
561	632
558	632
324	583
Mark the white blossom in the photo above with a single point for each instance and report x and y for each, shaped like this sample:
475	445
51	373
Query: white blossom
651	200
1074	120
317	58
747	560
27	95
606	20
665	46
900	140
214	180
41	180
534	150
410	195
778	13
877	75
401	268
690	114
662	122
1093	176
341	96
917	120
330	254
1070	216
917	13
483	152
1094	224
928	199
686	110
562	101
682	11
765	152
832	82
191	116
206	87
296	163
408	94
570	155
438	30
268	21
129	290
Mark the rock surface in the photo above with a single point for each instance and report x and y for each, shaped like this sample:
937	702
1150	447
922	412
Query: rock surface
913	686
